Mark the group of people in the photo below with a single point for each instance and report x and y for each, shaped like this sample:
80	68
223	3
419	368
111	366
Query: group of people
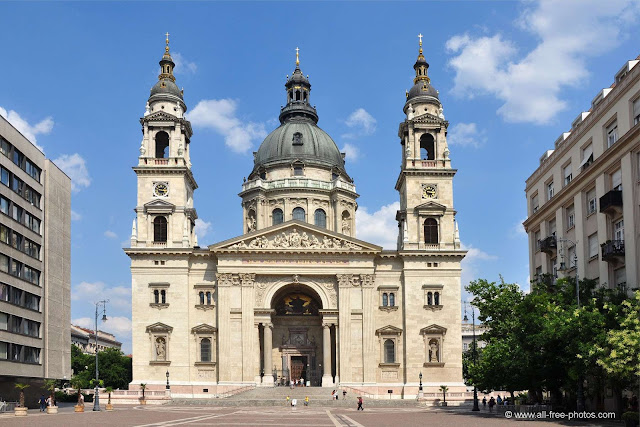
297	383
335	394
44	402
493	402
294	402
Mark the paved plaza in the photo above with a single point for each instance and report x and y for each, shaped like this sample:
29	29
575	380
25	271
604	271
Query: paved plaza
165	416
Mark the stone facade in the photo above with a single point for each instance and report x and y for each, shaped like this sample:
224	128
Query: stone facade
85	340
296	295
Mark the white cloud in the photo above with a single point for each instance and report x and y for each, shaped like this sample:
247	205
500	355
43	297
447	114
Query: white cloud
220	116
75	216
110	234
517	230
361	123
89	293
117	325
530	84
183	66
30	132
472	264
466	134
351	152
202	228
379	227
75	167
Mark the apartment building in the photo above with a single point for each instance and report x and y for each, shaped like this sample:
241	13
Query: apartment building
583	200
85	340
35	254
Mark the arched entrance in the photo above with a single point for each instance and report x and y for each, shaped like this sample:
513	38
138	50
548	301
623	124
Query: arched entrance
297	335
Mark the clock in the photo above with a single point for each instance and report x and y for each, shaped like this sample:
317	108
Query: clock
161	189
429	191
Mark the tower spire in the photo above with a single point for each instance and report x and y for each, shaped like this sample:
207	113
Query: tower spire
166	63
421	65
297	57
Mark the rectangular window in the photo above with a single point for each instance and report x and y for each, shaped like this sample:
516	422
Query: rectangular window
31	275
16	241
4	292
16	352
593	245
571	217
536	240
32	301
16	268
567	172
539	271
636	111
5	177
18	157
4	263
4	205
553	267
612	133
31	355
16	213
534	204
17	185
16	296
591	202
31	248
4	321
620	276
32	170
4	234
5	147
3	350
32	222
616	180
552	227
16	324
550	190
571	255
587	156
618	230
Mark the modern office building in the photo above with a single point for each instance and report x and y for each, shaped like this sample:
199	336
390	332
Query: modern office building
35	256
583	200
85	340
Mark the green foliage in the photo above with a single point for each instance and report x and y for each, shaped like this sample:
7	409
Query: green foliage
115	368
21	387
444	389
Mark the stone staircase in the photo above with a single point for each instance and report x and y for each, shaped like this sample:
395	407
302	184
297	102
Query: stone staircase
277	396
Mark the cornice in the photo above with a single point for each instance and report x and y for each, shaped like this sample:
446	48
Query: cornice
166	170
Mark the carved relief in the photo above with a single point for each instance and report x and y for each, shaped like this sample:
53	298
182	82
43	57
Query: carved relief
247	279
348	280
368	280
296	240
224	279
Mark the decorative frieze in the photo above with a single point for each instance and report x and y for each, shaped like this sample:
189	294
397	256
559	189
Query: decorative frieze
368	280
296	240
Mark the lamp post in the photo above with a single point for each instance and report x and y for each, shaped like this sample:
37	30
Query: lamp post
96	399
420	392
473	320
168	387
563	267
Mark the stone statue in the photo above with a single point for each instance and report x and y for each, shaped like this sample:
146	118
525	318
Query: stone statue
251	223
446	153
142	149
410	112
178	110
147	110
441	112
180	149
433	351
161	349
407	152
346	227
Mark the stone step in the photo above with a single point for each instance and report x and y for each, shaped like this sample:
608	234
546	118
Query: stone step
348	403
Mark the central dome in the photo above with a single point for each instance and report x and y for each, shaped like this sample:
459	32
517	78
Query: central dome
299	140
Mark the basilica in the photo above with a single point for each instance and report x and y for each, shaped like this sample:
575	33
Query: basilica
296	295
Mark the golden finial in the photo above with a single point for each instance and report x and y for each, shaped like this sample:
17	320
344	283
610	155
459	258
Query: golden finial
420	38
297	56
167	40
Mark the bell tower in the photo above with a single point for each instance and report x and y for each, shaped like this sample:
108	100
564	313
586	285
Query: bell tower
426	219
165	216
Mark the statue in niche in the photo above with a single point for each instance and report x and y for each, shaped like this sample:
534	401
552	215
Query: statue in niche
433	351
446	153
410	112
161	349
251	223
147	110
346	227
441	112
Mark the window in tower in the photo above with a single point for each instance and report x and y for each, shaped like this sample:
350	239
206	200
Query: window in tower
427	147
277	217
304	95
162	145
430	231
320	218
297	95
160	229
299	214
298	171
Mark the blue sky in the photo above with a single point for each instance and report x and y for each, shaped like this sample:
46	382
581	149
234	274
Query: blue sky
512	76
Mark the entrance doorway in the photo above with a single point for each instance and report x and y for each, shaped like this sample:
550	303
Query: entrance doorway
299	368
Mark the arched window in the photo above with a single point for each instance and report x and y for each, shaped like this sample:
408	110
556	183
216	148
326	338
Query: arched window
208	298
162	145
392	299
431	231
385	299
389	351
160	229
298	213
320	218
298	170
429	298
163	296
205	350
277	217
201	298
156	296
436	298
427	147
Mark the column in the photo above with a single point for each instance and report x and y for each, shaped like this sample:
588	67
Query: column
603	235
337	335
256	346
268	350
630	226
327	379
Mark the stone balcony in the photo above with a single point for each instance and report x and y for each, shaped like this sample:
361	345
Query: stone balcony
298	183
611	203
613	250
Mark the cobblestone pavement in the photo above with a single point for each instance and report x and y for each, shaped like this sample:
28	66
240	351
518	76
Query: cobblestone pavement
165	416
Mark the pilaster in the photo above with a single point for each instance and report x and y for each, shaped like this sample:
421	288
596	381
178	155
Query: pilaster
368	326
344	319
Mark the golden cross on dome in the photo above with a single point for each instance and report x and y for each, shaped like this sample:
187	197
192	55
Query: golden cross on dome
420	37
297	56
167	46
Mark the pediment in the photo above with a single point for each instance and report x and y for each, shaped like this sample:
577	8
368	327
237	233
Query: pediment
295	236
159	327
203	328
430	119
159	206
433	330
159	116
430	207
389	330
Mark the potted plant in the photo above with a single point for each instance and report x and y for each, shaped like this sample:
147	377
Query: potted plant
444	390
21	411
143	387
77	383
631	419
50	386
109	406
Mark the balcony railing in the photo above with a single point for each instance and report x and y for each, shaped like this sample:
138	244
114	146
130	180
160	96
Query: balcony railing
612	250
548	244
298	183
611	203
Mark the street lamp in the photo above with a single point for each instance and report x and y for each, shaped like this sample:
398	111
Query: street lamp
96	399
466	319
563	267
420	392
168	388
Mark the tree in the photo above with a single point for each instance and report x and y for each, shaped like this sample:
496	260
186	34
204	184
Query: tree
115	368
77	382
444	389
21	387
50	386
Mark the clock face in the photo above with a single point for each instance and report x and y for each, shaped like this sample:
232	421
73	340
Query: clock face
161	189
429	191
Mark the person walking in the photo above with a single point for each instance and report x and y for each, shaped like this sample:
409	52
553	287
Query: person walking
306	401
43	403
499	400
360	408
294	402
288	400
344	394
484	402
492	403
333	395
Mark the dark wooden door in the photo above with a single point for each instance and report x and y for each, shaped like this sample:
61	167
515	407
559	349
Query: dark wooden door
297	366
